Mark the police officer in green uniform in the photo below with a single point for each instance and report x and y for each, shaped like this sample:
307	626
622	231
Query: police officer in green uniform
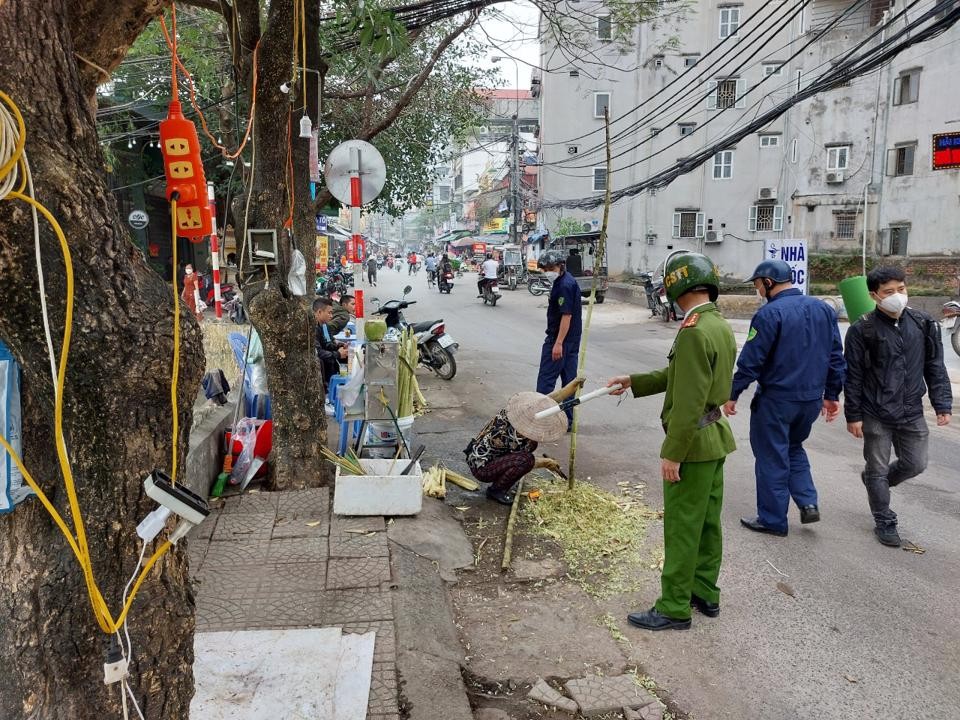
697	383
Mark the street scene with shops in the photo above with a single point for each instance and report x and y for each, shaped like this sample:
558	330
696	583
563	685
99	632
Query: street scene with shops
479	360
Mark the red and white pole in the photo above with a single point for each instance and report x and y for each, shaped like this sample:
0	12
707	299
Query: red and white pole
355	245
215	252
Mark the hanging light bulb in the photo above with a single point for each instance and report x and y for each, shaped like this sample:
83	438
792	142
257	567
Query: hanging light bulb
306	127
129	144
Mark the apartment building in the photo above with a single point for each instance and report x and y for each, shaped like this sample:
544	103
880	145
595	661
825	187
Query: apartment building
859	158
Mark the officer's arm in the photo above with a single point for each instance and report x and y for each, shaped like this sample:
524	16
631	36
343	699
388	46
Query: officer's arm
838	367
761	337
853	384
935	373
651	383
694	376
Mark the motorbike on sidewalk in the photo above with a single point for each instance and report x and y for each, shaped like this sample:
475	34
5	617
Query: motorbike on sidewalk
952	310
491	292
445	281
436	346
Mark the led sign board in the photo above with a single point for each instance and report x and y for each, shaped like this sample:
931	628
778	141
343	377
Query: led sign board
946	151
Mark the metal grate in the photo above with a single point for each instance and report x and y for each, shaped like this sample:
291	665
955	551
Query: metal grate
726	93
845	225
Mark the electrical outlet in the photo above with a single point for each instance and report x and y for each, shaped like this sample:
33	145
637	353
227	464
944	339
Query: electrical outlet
181	170
176	146
189	218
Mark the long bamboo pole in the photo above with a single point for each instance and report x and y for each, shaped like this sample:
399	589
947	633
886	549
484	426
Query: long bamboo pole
597	265
508	538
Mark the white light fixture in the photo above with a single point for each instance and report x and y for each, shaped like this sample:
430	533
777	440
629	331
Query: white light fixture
306	127
285	88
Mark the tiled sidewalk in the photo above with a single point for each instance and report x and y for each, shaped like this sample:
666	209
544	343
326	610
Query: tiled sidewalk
279	560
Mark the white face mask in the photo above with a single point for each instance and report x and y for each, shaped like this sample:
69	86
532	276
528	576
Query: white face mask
189	271
894	304
551	275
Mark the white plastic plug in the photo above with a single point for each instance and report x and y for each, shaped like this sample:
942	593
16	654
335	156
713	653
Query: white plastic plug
115	667
153	523
182	529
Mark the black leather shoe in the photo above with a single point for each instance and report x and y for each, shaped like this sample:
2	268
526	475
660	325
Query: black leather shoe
809	514
757	526
652	620
500	496
888	535
705	608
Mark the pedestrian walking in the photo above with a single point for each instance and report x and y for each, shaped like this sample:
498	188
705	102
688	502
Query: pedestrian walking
372	271
698	439
894	356
793	353
558	356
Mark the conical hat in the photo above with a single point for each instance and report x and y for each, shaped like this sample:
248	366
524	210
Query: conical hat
521	409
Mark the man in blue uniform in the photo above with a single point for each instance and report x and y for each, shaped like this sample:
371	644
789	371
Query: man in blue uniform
558	358
793	352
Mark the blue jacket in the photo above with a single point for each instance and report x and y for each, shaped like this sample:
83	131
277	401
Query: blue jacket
793	351
564	300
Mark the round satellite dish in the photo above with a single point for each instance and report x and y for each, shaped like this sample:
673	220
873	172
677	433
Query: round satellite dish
373	171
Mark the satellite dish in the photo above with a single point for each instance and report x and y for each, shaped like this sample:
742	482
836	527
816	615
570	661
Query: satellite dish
373	171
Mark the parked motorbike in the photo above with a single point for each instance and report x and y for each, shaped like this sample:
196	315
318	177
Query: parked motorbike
436	346
445	281
665	309
491	292
649	287
538	284
952	310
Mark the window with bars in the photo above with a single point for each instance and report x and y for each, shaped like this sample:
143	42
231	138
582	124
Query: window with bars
900	160
845	225
838	157
443	194
906	88
723	165
726	93
729	21
766	217
599	179
688	224
772	69
604	28
898	240
601	102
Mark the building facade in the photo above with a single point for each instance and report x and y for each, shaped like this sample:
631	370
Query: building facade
856	159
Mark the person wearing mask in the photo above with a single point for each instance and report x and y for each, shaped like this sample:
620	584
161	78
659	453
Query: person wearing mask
343	312
793	353
698	439
191	292
329	352
431	266
558	356
372	266
489	270
894	356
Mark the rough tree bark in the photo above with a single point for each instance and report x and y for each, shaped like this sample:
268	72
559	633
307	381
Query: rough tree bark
117	416
283	320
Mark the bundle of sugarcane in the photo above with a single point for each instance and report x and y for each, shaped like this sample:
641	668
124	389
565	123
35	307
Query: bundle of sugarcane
409	396
349	464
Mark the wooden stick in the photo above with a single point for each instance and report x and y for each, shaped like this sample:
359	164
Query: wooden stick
597	264
508	538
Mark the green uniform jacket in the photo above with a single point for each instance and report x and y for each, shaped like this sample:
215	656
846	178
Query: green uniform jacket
696	381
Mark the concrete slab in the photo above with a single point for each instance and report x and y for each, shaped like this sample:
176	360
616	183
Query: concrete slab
344	573
542	692
354	673
436	535
596	694
262	675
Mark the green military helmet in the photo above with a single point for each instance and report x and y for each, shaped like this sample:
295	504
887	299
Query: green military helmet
689	270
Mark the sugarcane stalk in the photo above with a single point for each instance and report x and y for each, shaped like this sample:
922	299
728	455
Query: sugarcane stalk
464	482
508	538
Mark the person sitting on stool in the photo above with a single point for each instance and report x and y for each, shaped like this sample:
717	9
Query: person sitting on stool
329	352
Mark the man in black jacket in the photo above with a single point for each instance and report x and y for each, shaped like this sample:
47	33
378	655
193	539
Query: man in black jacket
329	352
894	356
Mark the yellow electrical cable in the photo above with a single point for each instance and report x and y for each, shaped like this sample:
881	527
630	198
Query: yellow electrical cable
175	373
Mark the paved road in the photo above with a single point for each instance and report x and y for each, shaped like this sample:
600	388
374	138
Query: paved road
870	632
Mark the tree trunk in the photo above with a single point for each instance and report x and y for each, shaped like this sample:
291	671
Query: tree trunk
117	417
283	320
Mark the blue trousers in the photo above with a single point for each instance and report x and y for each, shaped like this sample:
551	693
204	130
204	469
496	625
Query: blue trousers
777	431
565	368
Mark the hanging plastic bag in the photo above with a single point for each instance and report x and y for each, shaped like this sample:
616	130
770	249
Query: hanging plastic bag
12	488
297	277
350	391
245	433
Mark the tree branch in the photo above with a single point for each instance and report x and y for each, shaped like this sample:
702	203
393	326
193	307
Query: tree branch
211	5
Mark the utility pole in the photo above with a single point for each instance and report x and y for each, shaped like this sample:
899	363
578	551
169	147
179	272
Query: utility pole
515	209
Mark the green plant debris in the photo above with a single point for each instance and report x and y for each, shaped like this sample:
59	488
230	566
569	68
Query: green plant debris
609	622
600	534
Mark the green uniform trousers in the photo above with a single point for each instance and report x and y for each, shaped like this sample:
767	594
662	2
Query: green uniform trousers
692	539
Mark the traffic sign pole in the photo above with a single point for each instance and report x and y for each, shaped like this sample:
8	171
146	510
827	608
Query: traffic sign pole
215	252
354	253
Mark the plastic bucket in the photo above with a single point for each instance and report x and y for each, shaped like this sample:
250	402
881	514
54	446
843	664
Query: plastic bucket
856	297
384	432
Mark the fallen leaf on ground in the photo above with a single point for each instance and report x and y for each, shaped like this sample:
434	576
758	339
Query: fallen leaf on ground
462	508
914	548
313	524
850	679
785	589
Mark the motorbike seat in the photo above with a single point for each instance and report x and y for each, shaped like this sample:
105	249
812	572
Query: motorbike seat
423	326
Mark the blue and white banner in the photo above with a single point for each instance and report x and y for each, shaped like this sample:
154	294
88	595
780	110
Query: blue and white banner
794	253
12	489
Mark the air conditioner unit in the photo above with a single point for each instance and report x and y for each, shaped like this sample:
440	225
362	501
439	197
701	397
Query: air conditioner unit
713	236
767	194
834	177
